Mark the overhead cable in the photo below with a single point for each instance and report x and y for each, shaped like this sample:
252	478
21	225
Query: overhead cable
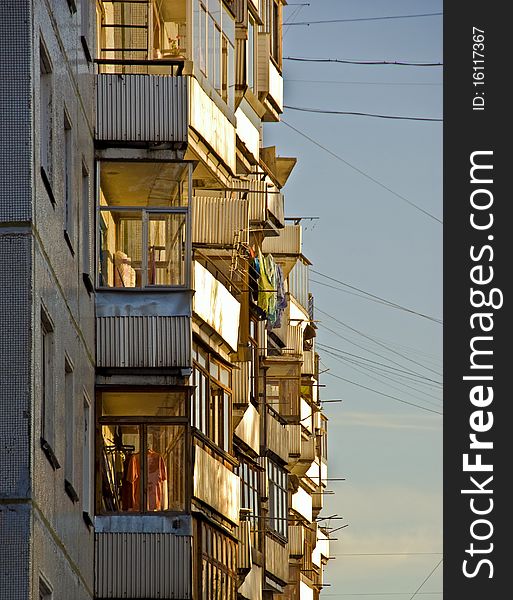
360	114
382	18
366	175
379	298
344	61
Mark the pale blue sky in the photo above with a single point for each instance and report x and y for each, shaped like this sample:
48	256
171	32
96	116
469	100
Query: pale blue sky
390	453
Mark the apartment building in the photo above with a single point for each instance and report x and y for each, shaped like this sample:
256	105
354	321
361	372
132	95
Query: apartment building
163	430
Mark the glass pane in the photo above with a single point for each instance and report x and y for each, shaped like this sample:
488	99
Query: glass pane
224	376
120	468
166	249
158	404
165	466
120	248
143	184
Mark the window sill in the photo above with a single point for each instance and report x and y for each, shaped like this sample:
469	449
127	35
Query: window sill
50	455
48	186
70	491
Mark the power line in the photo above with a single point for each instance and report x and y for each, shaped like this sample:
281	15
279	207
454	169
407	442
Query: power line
362	82
378	298
376	342
387	554
383	394
366	175
374	362
380	381
382	18
344	61
367	349
420	586
379	594
360	114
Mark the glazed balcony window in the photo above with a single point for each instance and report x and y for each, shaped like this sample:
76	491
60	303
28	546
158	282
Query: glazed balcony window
143	224
141	449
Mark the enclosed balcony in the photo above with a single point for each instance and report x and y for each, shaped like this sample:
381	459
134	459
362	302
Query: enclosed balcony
143	299
164	78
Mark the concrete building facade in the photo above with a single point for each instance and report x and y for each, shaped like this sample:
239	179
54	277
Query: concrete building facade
163	434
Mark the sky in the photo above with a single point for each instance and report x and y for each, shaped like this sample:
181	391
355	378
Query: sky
388	450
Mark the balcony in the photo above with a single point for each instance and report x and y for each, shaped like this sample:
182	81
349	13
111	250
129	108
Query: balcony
302	504
216	306
216	485
270	81
296	541
277	559
287	244
266	205
248	428
143	557
277	434
219	222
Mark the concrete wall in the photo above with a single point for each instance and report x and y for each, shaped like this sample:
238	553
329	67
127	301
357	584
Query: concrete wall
42	531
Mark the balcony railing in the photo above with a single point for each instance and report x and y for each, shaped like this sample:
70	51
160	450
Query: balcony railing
219	221
135	565
216	485
140	108
288	243
277	439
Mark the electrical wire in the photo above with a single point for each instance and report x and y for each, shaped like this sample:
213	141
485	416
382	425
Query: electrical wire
360	114
382	18
383	375
381	382
377	342
420	586
387	554
383	394
379	298
374	362
332	81
366	175
367	349
362	62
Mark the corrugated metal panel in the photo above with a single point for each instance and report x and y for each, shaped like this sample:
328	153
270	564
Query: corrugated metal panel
262	339
277	436
142	565
219	221
277	207
240	383
308	366
288	242
299	284
143	341
296	540
257	197
277	558
244	559
294	340
141	108
294	439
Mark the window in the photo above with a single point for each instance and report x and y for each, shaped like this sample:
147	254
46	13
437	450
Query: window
47	379
214	46
84	27
142	452
69	200
45	116
253	363
250	496
143	221
86	455
278	499
212	399
69	429
85	223
275	31
250	54
218	565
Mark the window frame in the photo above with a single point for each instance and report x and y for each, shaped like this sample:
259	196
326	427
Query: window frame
142	422
208	426
277	516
